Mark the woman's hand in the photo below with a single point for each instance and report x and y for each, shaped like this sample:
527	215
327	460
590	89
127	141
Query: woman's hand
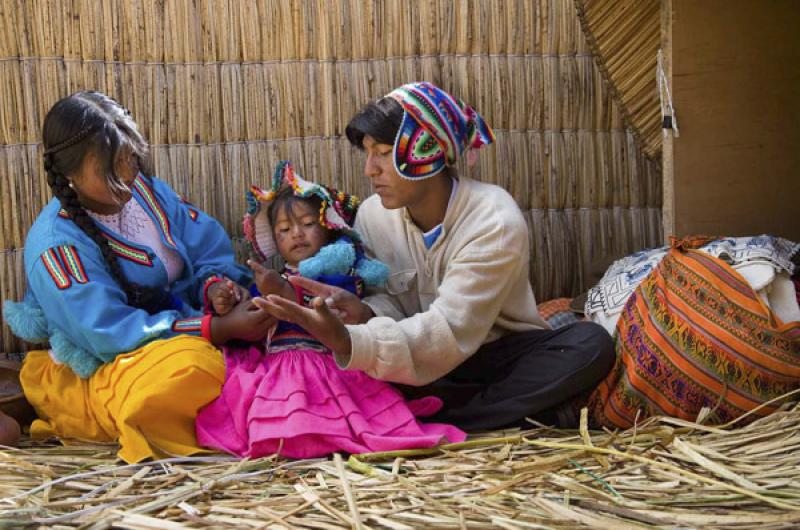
245	322
318	320
344	304
225	295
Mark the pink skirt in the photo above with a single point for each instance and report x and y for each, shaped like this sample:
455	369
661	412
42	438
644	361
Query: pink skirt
300	404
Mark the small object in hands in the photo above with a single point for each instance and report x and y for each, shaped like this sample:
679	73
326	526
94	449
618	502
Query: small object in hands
579	303
12	400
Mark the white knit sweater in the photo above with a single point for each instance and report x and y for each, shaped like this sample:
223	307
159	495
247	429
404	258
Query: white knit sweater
440	305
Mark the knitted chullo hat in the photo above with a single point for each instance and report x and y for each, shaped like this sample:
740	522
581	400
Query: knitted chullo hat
338	210
437	129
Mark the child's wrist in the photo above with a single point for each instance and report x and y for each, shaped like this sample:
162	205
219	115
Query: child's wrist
287	290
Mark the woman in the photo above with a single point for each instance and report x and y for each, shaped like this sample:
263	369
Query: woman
117	267
458	319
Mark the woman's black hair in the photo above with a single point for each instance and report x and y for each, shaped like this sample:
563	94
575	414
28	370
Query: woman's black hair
285	200
380	119
91	122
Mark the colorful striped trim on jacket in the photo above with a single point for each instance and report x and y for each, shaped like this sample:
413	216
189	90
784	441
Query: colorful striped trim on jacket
64	265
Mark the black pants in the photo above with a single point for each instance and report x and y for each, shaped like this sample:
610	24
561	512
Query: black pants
522	375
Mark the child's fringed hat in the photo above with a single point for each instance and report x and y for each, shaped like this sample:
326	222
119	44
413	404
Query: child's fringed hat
338	211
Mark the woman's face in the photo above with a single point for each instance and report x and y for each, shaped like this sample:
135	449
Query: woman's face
394	191
92	188
298	232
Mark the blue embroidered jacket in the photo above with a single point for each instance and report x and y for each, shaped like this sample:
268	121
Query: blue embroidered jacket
73	301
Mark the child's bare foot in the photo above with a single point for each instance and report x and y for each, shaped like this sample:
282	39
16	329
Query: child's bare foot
9	430
15	411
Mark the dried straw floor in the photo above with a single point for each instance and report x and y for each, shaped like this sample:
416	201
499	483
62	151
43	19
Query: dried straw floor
665	474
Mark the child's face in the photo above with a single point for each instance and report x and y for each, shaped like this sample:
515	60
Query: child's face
298	232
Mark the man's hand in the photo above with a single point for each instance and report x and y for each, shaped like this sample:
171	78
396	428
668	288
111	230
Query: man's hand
344	304
246	322
318	320
226	294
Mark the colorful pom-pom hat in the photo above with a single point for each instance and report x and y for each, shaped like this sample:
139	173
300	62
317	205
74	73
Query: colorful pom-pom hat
338	209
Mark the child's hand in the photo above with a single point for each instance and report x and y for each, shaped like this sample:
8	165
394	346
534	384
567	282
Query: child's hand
269	281
225	295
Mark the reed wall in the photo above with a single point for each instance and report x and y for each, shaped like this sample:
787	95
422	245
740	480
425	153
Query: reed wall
625	35
225	89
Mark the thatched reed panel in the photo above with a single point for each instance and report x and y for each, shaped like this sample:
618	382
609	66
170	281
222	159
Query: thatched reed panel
224	89
626	35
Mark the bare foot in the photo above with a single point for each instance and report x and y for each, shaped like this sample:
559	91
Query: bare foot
9	430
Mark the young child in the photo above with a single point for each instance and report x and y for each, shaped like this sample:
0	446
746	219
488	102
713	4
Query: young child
288	396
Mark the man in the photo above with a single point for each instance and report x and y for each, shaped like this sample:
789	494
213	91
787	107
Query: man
458	318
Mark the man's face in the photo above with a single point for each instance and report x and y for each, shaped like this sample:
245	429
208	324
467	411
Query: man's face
394	190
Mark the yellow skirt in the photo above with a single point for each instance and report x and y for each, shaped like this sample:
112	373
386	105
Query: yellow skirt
146	400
